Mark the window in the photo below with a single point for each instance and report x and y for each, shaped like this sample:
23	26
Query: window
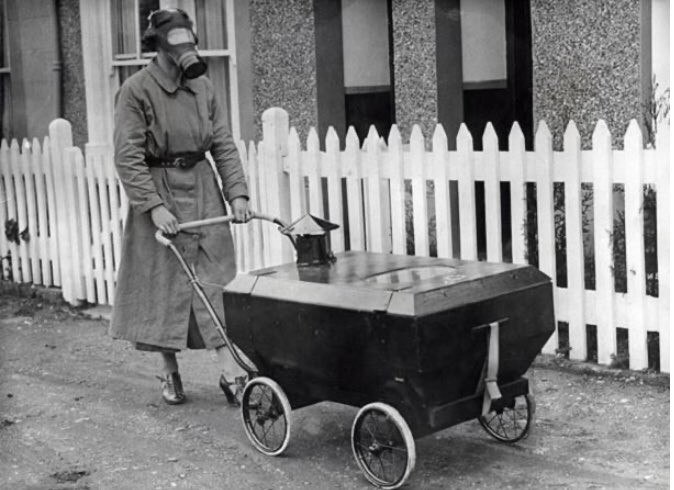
5	81
214	26
483	44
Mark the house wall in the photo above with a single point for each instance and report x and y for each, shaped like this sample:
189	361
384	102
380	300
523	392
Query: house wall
414	65
73	99
587	64
283	59
34	67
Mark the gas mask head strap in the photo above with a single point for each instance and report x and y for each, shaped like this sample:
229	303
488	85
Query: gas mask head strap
173	24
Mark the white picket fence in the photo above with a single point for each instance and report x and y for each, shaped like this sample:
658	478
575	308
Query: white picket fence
74	208
70	213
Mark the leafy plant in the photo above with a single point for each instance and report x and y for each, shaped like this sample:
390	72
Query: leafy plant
12	231
655	111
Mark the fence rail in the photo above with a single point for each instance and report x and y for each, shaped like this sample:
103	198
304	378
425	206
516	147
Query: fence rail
391	197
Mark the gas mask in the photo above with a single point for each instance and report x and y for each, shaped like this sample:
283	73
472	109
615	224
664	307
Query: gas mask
172	31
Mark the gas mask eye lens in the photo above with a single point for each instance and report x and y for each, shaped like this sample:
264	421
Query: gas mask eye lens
180	36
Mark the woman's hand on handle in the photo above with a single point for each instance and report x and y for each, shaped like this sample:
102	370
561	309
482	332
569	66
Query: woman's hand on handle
240	210
164	220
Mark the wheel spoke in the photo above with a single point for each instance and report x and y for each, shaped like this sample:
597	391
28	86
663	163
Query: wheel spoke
376	427
374	437
381	465
500	424
266	431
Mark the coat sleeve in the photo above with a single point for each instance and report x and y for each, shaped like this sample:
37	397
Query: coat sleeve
129	139
225	153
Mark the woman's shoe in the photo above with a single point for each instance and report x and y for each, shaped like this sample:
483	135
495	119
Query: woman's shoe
232	389
172	389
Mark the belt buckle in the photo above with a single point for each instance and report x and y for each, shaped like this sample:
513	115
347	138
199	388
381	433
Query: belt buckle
180	162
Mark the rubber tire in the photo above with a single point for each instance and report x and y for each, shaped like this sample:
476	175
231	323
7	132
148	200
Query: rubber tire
285	405
531	409
404	431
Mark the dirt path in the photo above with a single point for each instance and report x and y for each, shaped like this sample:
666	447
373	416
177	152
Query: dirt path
78	410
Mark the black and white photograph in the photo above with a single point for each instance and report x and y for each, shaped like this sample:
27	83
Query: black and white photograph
335	244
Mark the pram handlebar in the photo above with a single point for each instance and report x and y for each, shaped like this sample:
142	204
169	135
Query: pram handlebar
194	280
164	240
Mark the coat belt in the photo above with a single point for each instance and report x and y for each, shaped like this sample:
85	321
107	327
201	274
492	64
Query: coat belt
183	160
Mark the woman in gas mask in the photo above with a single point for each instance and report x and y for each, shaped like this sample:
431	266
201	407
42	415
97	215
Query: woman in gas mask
166	117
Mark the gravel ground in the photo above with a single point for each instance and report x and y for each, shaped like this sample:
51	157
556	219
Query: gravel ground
78	410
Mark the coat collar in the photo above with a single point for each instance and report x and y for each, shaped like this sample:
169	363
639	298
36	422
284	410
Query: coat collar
165	82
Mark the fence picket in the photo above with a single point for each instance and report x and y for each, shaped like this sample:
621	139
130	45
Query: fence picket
21	218
275	138
575	265
4	203
354	197
518	212
397	192
243	231
263	198
106	232
74	224
93	186
13	247
52	218
257	255
664	233
76	158
419	197
61	137
31	211
603	230
296	177
313	166
492	194
634	246
115	220
467	223
41	203
443	216
334	168
546	229
275	128
374	193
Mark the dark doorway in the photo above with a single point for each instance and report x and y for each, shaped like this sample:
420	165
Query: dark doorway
502	102
366	108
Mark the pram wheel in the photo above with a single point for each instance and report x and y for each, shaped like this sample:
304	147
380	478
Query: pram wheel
383	445
265	412
511	421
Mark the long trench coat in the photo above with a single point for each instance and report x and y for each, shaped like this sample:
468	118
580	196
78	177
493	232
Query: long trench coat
154	116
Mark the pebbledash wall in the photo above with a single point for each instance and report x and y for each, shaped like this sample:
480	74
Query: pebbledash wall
590	61
414	65
283	59
73	99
